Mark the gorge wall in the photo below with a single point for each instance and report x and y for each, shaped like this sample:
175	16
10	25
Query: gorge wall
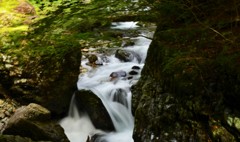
189	88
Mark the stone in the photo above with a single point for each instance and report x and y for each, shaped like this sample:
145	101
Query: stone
31	112
118	74
133	72
33	121
124	55
136	68
127	56
88	102
115	76
92	58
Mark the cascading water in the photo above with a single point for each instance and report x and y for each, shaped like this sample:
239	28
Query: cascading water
115	94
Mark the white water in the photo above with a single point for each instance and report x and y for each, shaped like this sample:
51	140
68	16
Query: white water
77	127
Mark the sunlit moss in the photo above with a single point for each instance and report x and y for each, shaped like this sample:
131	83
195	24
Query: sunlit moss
12	29
8	5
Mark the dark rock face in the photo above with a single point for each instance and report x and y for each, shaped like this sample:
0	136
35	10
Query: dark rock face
33	121
41	79
88	102
189	89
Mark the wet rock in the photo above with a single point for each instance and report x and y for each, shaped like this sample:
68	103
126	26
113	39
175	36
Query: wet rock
136	68
33	121
124	55
115	76
92	58
88	102
118	74
130	77
127	56
133	73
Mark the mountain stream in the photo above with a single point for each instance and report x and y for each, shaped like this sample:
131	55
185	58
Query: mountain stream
98	80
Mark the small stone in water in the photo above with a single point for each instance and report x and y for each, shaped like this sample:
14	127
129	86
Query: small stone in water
136	68
130	77
133	73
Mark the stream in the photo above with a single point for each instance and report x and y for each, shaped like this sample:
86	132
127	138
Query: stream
78	127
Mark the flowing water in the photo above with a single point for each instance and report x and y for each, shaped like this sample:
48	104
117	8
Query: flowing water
115	94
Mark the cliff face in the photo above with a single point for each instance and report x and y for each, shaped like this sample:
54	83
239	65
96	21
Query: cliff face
189	89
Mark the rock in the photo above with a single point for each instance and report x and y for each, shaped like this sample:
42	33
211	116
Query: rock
118	74
127	56
33	121
181	93
92	58
124	55
31	112
130	77
25	8
133	73
115	76
88	102
136	68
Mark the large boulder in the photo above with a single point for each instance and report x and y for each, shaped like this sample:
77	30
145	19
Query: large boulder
33	121
88	102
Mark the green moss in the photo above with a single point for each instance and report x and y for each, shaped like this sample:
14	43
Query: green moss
14	29
8	5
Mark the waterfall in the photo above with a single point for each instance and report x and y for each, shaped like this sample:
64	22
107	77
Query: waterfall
115	95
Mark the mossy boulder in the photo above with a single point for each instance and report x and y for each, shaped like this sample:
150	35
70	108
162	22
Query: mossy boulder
33	121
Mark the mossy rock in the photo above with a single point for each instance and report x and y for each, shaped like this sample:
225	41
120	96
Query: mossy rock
198	72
